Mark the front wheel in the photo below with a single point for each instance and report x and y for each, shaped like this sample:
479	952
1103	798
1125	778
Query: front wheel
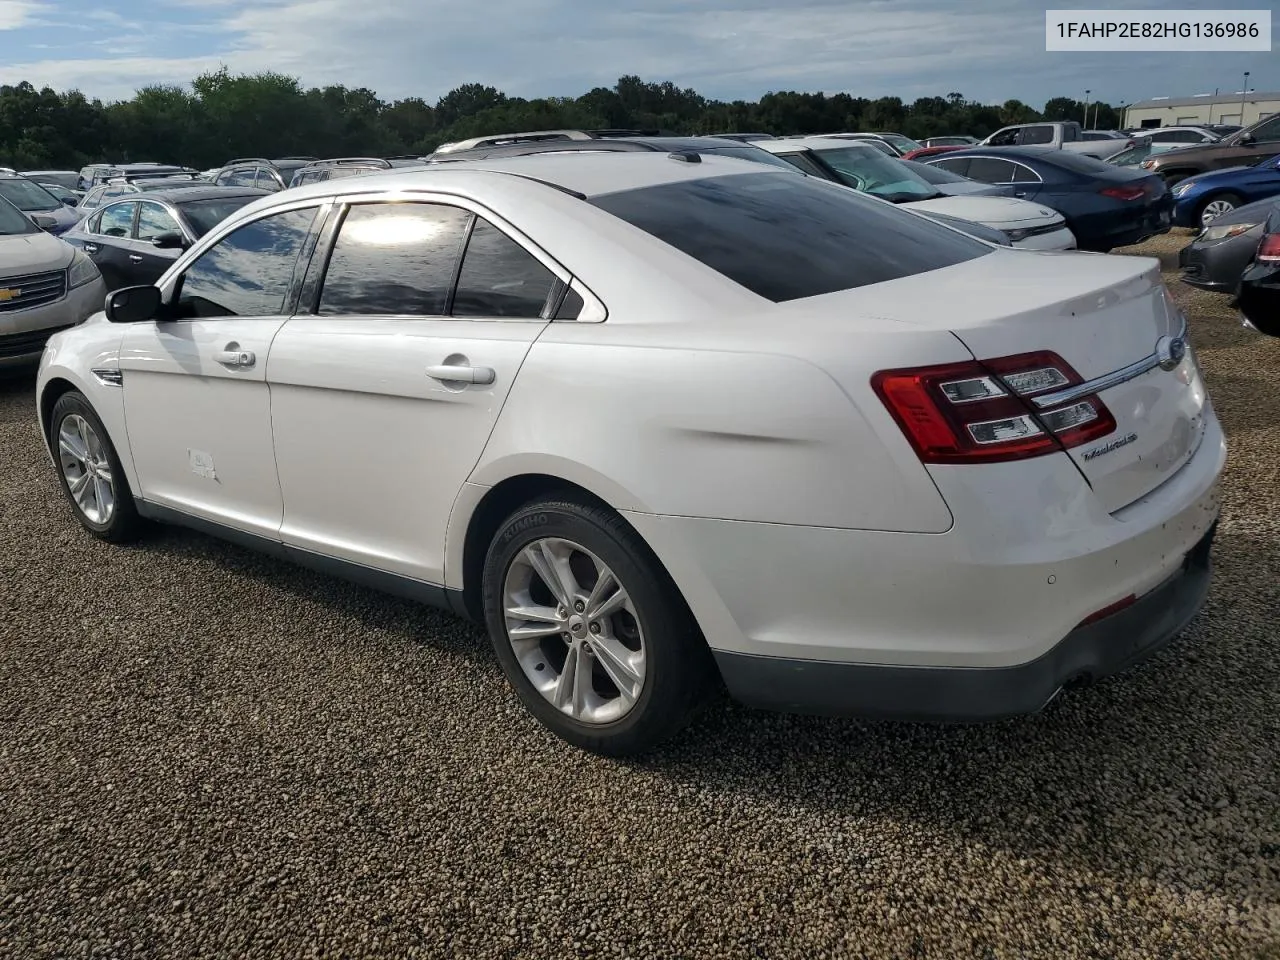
89	471
1217	206
590	630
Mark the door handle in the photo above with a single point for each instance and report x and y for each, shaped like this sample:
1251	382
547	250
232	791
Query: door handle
134	258
449	373
90	248
236	358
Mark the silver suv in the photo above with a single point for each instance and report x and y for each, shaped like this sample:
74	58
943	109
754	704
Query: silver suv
46	285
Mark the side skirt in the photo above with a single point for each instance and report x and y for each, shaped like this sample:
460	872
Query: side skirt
420	591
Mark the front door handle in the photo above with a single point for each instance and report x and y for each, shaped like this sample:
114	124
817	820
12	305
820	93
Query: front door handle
134	258
449	373
90	248
236	358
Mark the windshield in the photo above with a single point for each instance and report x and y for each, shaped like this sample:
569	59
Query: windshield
27	196
902	143
872	172
59	191
12	222
204	215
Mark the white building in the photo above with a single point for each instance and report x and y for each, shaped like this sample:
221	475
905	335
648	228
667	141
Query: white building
1201	109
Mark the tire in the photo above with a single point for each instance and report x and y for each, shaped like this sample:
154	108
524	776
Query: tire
85	451
652	637
1216	206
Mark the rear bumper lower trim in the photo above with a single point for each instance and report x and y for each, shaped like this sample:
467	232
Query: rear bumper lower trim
1100	649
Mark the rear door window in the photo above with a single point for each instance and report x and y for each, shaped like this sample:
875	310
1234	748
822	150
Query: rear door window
500	278
785	237
154	220
117	220
1034	135
991	170
394	259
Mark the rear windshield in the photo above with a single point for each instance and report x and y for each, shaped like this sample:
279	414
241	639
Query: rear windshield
787	237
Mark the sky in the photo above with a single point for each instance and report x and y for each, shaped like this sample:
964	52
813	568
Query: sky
988	50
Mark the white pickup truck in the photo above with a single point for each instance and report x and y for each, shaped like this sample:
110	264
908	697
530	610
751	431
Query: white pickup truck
1056	136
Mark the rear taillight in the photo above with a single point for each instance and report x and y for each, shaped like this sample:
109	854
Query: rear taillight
1124	193
1269	249
983	412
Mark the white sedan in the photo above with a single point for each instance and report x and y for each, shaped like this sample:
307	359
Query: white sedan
662	419
1031	226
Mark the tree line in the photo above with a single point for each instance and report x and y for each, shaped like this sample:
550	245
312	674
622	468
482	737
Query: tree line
224	115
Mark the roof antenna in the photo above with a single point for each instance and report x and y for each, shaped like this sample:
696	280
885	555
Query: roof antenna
685	156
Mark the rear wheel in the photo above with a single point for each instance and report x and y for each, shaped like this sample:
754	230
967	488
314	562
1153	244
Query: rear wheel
590	630
89	471
1217	206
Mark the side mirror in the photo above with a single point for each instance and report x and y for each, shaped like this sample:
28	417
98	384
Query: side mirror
71	201
1244	140
44	223
133	304
170	241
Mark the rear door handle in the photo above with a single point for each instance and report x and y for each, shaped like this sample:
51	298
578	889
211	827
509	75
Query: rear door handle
448	373
90	248
236	358
134	258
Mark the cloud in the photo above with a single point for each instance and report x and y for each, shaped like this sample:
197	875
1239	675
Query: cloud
991	50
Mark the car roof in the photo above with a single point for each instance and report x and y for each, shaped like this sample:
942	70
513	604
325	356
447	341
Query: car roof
817	142
188	194
596	145
584	174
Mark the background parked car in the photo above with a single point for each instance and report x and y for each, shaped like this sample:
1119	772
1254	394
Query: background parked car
861	167
69	197
896	142
954	185
97	173
1180	135
1068	136
1259	294
1243	147
123	187
68	179
55	215
948	141
1105	206
932	151
134	240
259	173
1133	156
744	137
46	285
321	170
1201	199
1218	256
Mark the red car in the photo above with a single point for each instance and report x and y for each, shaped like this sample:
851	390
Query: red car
931	151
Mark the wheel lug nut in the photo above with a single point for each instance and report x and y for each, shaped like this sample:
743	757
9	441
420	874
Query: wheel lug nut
595	628
567	638
579	606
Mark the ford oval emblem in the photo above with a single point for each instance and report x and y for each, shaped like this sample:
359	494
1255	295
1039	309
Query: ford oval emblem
1170	352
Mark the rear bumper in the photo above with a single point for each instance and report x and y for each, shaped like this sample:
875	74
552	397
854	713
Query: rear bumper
1216	266
1087	653
1123	227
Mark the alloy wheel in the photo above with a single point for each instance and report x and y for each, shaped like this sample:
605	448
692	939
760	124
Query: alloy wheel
574	630
86	469
1215	209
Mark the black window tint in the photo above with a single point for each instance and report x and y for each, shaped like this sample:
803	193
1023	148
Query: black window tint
1024	174
785	237
117	220
247	273
499	278
571	306
1267	132
1037	134
990	170
804	163
957	165
394	258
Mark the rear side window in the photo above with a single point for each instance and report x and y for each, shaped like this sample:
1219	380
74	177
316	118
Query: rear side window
991	170
499	278
785	237
805	164
1031	135
957	165
394	258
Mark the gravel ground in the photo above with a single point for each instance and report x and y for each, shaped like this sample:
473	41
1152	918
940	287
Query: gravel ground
204	753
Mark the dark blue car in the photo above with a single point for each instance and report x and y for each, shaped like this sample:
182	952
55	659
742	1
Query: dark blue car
1203	198
1105	206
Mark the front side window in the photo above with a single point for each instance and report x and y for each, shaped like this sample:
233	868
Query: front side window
248	272
116	220
499	278
154	220
1004	138
394	258
1268	132
785	237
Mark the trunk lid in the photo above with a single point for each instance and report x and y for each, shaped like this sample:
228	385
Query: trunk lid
1106	315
